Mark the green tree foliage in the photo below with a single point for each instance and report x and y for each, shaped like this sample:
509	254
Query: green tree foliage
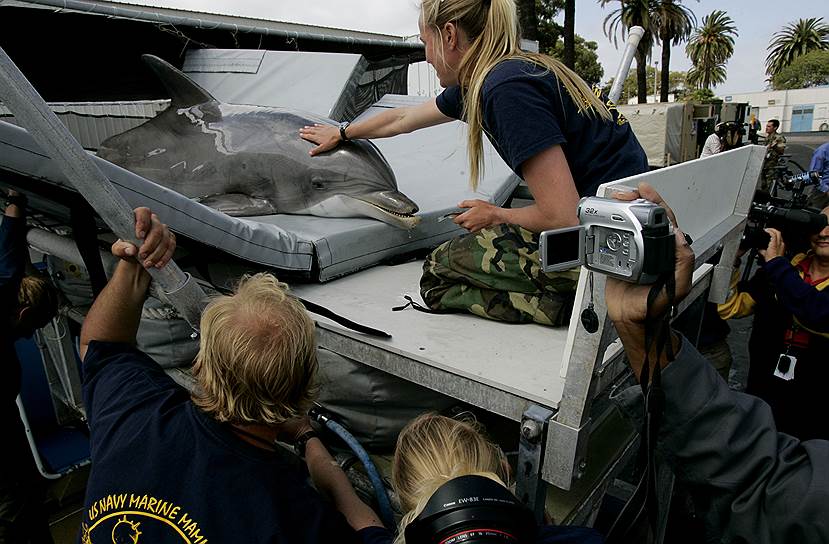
700	95
709	49
550	36
632	13
672	23
587	61
706	76
809	70
549	31
795	40
676	85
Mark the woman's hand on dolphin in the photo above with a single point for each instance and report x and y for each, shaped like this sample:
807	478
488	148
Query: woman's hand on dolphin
327	137
479	214
158	242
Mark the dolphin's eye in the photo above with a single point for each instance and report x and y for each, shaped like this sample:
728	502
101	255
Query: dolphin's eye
317	185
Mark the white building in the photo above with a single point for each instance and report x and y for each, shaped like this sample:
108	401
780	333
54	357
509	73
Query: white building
798	110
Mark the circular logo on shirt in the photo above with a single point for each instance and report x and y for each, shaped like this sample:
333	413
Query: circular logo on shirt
127	518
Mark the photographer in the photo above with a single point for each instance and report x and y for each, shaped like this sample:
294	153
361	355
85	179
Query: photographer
820	164
436	454
726	136
790	337
753	483
207	465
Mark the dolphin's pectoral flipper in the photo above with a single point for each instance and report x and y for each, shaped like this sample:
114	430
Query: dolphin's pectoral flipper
238	204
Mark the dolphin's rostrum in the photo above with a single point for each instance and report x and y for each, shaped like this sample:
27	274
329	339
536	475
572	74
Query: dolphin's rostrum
250	160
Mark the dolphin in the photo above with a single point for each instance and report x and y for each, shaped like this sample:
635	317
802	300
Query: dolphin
249	160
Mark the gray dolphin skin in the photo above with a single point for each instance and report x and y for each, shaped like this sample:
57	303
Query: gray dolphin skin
250	160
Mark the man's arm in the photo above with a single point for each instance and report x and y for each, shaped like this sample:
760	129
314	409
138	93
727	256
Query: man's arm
332	482
116	313
760	486
328	477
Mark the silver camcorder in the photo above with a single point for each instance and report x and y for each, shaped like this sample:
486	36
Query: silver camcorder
631	241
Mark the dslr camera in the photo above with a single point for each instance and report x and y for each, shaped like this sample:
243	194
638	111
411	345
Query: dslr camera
631	241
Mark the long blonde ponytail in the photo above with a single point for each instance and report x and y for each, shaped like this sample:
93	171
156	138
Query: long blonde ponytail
492	29
433	449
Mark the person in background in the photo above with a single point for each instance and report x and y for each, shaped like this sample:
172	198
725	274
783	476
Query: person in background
726	136
775	147
563	139
820	163
207	465
28	302
790	336
753	129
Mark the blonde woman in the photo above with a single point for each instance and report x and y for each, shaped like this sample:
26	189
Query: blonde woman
543	120
433	451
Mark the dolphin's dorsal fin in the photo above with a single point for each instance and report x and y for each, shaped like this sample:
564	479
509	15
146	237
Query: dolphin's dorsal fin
184	92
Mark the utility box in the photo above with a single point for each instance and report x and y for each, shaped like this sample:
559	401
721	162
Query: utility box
665	131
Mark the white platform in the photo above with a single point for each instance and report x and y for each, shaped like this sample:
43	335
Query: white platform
510	366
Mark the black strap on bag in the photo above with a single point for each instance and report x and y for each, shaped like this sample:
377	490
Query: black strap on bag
643	502
420	307
325	312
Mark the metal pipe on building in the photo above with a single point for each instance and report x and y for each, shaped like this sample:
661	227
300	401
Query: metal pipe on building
58	143
135	13
634	36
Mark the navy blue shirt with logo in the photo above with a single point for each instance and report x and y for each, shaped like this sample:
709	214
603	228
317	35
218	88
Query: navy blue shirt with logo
164	471
527	110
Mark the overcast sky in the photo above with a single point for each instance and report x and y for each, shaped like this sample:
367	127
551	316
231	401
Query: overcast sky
756	21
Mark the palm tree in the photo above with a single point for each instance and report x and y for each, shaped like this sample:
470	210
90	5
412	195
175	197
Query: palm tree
709	49
632	13
672	23
703	79
570	34
796	39
527	19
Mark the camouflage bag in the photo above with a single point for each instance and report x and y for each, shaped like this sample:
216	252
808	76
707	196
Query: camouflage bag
496	273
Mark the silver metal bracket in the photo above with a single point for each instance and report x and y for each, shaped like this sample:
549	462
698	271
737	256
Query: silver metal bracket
529	486
569	463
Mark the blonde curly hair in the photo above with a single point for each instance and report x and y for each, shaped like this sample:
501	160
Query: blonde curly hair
257	360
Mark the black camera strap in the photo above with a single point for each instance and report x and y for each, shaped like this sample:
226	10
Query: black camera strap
644	501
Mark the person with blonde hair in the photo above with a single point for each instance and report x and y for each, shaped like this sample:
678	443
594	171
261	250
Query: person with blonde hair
206	465
435	452
28	303
561	137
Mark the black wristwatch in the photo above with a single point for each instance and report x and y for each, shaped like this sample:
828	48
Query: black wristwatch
343	126
18	200
302	440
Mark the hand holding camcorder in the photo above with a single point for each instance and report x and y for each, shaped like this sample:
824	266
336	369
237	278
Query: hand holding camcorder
632	241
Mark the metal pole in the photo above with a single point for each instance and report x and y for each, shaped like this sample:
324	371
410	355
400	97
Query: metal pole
634	35
57	142
655	76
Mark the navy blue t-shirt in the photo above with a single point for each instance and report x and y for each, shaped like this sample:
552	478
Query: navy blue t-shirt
526	110
162	467
549	534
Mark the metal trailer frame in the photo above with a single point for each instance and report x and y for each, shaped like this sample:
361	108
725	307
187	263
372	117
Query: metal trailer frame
560	443
554	440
